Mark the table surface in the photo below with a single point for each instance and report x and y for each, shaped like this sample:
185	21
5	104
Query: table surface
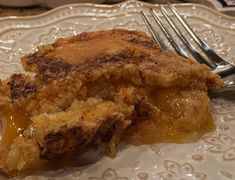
24	11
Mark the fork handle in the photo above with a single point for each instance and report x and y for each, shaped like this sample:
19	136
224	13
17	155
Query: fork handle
227	71
226	93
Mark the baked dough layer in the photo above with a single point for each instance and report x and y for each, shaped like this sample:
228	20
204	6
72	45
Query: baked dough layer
98	87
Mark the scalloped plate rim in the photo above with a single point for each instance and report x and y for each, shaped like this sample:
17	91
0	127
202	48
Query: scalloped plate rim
60	8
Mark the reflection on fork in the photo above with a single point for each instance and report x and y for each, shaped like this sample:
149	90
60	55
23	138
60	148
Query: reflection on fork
212	60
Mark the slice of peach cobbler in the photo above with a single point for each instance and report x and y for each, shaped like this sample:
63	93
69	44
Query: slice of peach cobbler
103	86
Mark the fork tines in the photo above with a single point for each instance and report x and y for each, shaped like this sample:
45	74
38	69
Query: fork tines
213	60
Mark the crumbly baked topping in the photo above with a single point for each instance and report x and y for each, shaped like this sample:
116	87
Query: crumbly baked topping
99	87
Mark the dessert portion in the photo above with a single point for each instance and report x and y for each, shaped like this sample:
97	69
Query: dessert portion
95	87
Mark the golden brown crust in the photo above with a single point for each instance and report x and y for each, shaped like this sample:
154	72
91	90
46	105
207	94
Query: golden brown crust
20	86
77	127
88	46
133	48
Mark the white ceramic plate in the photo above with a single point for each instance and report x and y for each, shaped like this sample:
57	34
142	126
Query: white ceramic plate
225	6
213	157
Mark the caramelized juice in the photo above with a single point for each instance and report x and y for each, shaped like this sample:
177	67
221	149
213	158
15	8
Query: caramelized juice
14	121
183	117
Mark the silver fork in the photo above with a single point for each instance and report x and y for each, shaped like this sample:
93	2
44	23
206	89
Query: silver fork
213	60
